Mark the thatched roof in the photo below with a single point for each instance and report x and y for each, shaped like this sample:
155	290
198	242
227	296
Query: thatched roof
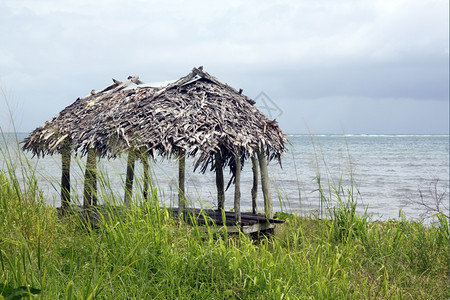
197	113
75	122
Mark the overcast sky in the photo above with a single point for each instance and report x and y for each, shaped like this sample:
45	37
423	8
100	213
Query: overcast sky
324	66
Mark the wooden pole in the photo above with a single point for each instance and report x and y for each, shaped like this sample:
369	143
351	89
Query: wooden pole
255	184
268	210
237	189
146	167
65	176
90	179
219	182
129	179
181	176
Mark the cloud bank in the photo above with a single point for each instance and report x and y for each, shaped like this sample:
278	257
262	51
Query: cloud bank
373	66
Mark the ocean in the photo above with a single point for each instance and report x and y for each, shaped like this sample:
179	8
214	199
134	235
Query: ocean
387	174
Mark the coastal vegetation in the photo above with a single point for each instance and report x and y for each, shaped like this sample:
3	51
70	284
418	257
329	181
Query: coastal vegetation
145	253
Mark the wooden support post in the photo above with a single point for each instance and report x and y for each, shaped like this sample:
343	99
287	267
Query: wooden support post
65	176
219	182
90	179
146	167
181	173
268	210
129	179
237	189
255	184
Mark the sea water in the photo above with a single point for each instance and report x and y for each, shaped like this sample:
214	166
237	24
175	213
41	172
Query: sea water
385	174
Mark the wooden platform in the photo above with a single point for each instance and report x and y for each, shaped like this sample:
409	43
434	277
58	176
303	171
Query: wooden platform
250	222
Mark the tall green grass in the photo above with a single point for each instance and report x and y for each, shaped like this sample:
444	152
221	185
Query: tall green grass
144	253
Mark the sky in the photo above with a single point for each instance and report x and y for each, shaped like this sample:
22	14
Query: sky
317	66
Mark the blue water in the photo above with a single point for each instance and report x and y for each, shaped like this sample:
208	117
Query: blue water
385	172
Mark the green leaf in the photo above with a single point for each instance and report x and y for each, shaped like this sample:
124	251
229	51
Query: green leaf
22	291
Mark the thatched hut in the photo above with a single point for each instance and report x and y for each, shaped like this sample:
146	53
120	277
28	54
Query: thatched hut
74	130
196	116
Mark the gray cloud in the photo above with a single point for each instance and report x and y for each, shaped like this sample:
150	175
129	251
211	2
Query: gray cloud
393	52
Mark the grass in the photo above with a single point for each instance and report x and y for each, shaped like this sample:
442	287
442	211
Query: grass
145	254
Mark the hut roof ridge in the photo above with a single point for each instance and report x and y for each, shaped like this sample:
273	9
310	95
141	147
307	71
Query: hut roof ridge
118	85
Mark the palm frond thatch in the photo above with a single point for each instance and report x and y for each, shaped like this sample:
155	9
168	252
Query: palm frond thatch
197	113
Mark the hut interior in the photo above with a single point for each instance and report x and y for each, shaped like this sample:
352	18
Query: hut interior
196	116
